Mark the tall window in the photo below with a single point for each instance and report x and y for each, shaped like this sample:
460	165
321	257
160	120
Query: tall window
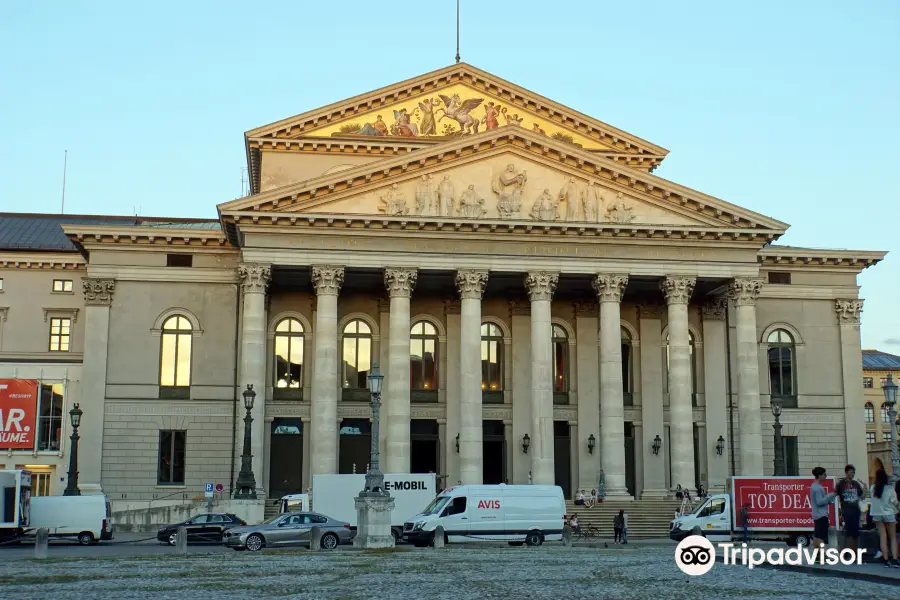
50	417
60	334
870	437
171	457
627	360
491	358
175	353
693	357
870	413
782	371
289	337
885	416
560	360
423	344
357	354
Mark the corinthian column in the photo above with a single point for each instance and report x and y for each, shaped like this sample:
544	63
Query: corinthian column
470	284
677	291
609	290
399	284
323	409
849	312
744	292
541	286
254	281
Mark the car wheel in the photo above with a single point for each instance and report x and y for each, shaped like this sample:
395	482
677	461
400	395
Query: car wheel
802	539
173	539
86	538
255	542
534	539
329	541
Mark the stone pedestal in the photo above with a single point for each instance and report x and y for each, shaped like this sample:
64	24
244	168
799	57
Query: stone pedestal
373	518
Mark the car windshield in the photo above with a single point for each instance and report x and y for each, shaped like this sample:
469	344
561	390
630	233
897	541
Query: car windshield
700	508
436	505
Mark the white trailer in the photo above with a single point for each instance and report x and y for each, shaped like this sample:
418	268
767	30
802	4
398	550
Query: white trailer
333	495
15	503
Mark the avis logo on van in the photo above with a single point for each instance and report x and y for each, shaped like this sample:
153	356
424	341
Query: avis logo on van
495	504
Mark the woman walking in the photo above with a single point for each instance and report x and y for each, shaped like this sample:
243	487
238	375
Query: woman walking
618	526
884	509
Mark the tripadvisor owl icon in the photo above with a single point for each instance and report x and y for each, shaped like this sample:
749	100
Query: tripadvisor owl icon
695	555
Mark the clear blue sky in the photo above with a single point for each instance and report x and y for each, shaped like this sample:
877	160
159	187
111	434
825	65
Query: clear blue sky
791	109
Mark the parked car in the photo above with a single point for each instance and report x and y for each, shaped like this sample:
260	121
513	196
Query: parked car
289	529
85	518
208	527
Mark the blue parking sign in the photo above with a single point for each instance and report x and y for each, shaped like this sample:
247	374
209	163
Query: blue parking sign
210	487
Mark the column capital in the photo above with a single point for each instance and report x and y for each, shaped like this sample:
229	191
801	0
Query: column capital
849	311
471	283
745	290
327	279
715	308
98	292
541	285
677	288
400	282
254	277
610	286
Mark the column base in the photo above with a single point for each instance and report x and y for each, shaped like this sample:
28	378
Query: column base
90	489
655	494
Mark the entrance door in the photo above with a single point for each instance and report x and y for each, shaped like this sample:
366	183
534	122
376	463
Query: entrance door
355	450
629	459
286	458
562	457
424	446
493	452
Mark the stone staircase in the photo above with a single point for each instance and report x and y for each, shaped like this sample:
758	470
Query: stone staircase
272	508
646	518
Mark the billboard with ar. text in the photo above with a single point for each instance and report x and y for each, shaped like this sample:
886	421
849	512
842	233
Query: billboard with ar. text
18	407
777	503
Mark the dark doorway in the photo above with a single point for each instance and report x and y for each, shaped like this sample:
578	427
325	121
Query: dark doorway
286	458
562	457
629	459
696	457
355	448
424	446
493	452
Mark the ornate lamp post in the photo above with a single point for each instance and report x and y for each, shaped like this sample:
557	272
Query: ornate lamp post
890	398
374	476
246	482
72	484
779	446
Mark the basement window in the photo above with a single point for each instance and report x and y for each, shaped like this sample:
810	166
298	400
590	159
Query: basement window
779	277
179	260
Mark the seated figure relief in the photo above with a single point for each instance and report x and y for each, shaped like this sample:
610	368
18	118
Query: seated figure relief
508	185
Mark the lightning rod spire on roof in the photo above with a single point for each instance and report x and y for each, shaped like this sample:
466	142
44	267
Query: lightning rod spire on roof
457	31
62	208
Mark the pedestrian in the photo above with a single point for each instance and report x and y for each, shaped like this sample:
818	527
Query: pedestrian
884	507
573	523
819	500
850	491
618	526
745	521
593	499
579	498
601	488
624	527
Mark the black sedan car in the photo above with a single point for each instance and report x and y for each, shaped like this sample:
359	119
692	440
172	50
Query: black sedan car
205	528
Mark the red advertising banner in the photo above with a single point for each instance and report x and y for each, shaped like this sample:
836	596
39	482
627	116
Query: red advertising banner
18	408
776	503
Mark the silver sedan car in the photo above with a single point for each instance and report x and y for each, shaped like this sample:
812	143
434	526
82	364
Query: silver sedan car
288	529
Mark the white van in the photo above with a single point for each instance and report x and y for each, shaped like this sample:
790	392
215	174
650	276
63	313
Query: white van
86	518
515	514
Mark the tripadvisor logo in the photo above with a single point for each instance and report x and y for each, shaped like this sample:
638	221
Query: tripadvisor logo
696	555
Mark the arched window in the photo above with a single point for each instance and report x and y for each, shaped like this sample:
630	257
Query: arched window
491	358
693	356
782	371
357	354
423	345
627	367
885	416
870	413
175	353
289	337
560	360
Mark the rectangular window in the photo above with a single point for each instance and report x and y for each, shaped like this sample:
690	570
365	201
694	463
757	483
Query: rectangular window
171	457
870	437
883	381
50	417
885	415
179	260
1	284
62	286
867	382
60	334
791	455
779	277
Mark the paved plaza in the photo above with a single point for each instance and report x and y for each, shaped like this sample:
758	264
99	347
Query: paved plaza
460	573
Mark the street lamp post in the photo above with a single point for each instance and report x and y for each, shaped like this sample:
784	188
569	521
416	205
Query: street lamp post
374	476
779	446
890	398
72	484
246	482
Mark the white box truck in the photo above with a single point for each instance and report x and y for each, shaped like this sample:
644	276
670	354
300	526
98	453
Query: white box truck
15	503
777	508
85	518
516	514
333	496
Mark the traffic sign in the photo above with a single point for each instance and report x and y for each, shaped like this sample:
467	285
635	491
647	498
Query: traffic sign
220	487
209	487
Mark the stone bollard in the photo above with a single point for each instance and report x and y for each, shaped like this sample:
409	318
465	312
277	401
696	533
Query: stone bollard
567	535
315	539
832	540
41	539
438	539
181	541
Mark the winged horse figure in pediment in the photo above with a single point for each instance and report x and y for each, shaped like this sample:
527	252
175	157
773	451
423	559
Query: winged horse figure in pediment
458	110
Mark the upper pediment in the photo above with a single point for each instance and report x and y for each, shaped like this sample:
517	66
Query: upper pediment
451	102
510	174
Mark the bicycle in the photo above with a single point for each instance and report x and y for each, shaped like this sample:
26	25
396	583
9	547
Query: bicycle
588	533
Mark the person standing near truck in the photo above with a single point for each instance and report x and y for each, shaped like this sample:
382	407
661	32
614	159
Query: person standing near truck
819	500
850	491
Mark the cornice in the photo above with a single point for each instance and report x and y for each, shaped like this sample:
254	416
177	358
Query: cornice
67	261
85	236
794	258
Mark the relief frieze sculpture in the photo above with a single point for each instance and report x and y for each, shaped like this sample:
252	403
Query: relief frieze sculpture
569	196
471	204
427	202
619	212
591	202
508	185
545	208
98	292
393	204
849	312
446	192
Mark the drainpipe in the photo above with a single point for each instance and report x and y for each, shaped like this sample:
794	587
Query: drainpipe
728	387
234	385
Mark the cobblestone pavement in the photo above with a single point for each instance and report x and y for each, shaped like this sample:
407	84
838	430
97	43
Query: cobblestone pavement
459	573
